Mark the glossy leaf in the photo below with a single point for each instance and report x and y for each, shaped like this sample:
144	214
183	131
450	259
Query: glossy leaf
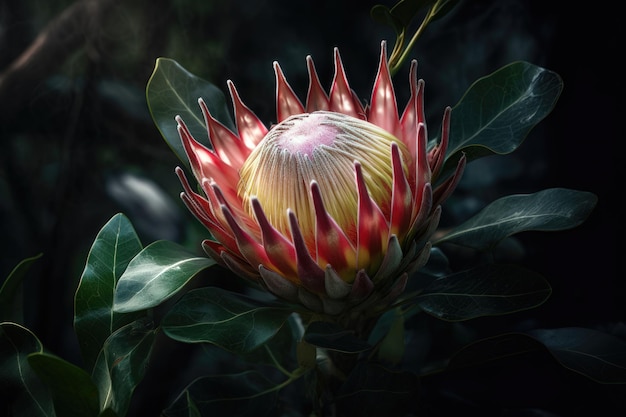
29	396
484	291
497	112
597	355
73	392
248	394
172	91
122	364
229	320
158	272
373	390
548	210
10	291
333	337
94	320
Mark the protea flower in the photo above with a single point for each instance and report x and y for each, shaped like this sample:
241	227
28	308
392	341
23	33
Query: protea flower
333	206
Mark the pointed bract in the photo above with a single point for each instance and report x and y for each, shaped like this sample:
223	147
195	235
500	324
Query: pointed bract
383	109
287	103
316	98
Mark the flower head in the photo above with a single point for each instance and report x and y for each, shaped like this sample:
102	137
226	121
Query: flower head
333	206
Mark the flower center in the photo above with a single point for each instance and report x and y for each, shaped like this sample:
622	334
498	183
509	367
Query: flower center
304	132
320	146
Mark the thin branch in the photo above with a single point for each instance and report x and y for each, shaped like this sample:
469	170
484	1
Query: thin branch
61	37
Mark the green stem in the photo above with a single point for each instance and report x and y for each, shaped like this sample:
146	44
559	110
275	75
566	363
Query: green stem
397	50
292	377
397	57
277	364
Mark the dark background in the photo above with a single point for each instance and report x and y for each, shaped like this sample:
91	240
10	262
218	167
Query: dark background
78	145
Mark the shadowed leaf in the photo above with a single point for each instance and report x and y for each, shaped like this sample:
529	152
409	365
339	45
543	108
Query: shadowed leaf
594	354
373	390
73	392
333	337
10	291
248	394
597	355
279	349
399	17
230	320
484	291
122	364
494	348
29	397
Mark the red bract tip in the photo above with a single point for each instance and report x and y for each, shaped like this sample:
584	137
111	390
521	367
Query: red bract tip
287	103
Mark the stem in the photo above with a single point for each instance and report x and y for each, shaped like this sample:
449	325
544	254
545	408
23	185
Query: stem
277	364
397	51
397	57
292	377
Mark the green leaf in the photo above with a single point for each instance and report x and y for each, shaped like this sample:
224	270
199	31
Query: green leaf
172	91
373	390
547	210
484	291
10	292
248	394
158	272
229	320
28	395
94	319
497	112
122	364
594	354
333	337
73	391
